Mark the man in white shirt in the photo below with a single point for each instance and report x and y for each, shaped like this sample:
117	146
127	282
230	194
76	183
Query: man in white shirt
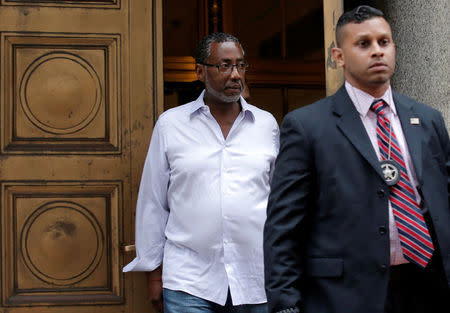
358	216
203	194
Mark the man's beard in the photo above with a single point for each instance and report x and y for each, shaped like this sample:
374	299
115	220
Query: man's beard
222	96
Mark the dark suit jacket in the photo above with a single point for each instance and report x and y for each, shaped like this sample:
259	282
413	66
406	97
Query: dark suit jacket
326	238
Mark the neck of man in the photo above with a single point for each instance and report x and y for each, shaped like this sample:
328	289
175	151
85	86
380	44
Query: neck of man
375	90
225	113
222	110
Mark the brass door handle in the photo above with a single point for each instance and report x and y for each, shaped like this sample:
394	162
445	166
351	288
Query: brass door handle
127	248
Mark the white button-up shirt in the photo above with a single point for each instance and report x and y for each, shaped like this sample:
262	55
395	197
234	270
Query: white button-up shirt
202	202
362	102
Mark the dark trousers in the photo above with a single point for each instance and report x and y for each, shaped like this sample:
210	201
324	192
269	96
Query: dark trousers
412	289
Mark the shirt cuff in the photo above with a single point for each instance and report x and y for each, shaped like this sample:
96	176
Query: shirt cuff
141	265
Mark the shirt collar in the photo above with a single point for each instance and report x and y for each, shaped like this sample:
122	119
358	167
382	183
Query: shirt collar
247	109
199	104
362	100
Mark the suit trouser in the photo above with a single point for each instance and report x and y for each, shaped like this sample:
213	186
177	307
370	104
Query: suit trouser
412	289
415	290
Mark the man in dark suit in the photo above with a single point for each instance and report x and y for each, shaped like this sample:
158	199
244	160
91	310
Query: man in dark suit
358	217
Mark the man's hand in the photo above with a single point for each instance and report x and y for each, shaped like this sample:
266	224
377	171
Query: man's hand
154	283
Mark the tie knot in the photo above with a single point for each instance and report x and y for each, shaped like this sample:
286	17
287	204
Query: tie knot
378	107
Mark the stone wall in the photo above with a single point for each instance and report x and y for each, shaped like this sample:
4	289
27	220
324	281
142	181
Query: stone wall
421	31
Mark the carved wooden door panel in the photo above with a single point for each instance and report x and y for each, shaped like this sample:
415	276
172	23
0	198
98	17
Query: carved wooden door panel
77	108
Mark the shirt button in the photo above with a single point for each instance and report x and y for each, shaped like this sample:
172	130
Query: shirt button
380	193
382	230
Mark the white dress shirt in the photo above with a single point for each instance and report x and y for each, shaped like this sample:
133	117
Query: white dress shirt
202	202
362	102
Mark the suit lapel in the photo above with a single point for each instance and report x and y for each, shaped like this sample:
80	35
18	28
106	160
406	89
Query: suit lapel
349	122
412	132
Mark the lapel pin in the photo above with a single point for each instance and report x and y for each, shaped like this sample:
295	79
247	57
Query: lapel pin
414	121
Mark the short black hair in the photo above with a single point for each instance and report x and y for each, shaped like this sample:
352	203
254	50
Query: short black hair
204	46
357	15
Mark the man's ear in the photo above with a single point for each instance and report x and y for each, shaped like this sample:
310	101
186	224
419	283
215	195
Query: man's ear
200	71
338	56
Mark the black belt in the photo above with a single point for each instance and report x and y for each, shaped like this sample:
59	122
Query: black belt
404	271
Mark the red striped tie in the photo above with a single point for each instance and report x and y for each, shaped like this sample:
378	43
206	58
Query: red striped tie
415	239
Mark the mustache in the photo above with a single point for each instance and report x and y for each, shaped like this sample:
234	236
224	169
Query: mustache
235	85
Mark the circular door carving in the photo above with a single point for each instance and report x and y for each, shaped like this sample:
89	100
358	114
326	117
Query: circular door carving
60	93
62	243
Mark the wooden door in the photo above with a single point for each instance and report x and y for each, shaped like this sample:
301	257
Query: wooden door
78	87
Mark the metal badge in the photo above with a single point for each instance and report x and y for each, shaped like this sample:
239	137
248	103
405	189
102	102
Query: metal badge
390	171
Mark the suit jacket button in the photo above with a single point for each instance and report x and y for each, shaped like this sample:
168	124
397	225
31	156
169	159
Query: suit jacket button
382	230
380	193
383	268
